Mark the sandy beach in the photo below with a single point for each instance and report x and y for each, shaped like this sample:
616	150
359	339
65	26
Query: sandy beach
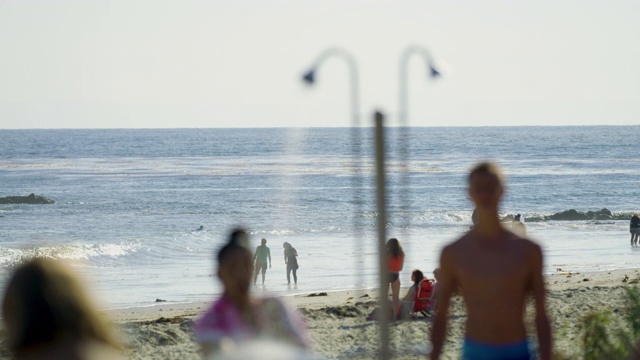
338	329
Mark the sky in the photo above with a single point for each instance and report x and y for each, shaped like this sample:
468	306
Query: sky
203	64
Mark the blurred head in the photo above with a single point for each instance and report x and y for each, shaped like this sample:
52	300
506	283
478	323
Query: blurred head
44	303
436	274
263	241
486	186
417	276
235	264
393	248
286	245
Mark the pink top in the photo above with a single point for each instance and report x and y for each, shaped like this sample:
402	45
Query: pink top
273	320
221	320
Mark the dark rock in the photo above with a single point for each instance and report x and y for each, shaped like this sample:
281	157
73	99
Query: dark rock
603	214
31	199
318	294
569	215
160	300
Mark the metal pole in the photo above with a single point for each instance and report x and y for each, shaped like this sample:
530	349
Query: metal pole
382	249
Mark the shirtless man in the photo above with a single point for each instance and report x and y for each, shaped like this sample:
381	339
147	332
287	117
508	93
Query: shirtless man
495	270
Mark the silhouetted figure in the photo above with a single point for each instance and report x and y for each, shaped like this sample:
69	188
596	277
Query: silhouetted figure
200	228
495	270
47	315
291	259
237	316
634	228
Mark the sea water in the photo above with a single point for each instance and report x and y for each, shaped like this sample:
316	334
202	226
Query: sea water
128	202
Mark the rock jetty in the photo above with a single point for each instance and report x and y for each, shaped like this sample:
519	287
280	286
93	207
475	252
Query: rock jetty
574	215
30	199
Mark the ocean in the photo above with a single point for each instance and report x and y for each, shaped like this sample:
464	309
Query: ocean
128	202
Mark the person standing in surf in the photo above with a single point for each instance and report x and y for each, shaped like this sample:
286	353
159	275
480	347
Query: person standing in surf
260	260
290	258
634	228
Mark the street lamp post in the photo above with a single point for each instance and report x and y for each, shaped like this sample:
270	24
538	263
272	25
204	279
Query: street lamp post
309	77
403	142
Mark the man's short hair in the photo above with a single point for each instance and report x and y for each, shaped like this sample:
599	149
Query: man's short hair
487	168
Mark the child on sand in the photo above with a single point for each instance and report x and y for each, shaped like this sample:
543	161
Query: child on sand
495	270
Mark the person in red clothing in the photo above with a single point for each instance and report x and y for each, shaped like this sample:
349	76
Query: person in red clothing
396	262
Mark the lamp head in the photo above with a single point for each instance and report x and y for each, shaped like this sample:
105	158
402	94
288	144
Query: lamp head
310	76
434	72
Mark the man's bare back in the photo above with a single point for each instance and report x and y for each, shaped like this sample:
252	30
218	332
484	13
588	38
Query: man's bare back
494	276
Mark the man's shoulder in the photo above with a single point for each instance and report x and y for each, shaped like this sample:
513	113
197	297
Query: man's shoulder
526	243
460	242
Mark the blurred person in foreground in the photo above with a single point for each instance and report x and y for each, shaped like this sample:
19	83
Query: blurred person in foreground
495	270
237	317
47	315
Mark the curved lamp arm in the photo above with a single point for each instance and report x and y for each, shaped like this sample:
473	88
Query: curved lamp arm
402	87
309	77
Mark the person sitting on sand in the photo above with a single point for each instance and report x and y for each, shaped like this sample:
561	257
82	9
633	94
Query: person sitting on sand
416	277
634	228
239	317
495	270
260	259
396	262
409	303
433	300
47	315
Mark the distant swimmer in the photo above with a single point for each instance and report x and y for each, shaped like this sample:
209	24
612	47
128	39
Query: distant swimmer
200	228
